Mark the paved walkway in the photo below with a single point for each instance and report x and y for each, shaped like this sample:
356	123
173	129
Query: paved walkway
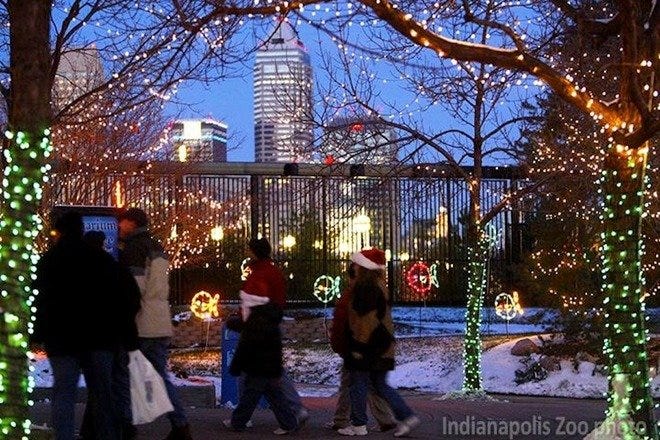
507	417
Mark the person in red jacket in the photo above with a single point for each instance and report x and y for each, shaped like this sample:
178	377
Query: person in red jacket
339	338
258	357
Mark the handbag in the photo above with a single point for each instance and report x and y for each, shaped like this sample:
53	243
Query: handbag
149	397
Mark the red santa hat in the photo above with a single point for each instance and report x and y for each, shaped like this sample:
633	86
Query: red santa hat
372	259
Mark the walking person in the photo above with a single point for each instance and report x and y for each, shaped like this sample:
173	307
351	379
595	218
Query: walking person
339	339
70	276
371	345
148	263
129	294
258	356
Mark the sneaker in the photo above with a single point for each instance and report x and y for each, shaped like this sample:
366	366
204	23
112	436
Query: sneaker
280	431
334	426
406	426
227	424
353	430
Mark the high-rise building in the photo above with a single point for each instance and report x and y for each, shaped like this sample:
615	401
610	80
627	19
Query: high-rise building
79	71
359	140
198	140
282	98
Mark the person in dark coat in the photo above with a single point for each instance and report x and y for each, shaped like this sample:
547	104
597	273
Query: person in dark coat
258	356
76	321
371	345
129	294
339	341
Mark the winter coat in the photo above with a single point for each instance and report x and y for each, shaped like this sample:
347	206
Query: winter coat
266	280
259	349
371	343
83	303
340	332
148	263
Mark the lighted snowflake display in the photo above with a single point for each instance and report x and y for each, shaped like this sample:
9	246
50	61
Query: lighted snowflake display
326	288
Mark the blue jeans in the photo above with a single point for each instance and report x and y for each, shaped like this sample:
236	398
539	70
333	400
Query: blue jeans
96	366
360	381
253	388
155	350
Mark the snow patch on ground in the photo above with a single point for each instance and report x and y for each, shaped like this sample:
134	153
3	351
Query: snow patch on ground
429	358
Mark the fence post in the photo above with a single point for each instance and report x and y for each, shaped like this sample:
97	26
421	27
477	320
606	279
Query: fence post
254	206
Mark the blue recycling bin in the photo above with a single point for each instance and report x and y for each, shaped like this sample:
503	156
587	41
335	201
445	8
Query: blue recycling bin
229	385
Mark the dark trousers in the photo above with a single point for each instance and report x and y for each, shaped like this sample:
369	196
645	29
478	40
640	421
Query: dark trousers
253	388
121	395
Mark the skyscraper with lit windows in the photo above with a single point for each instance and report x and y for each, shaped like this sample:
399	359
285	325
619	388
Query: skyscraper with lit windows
198	140
282	98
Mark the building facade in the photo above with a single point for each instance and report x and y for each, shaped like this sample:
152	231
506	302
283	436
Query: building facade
359	140
198	140
80	70
282	98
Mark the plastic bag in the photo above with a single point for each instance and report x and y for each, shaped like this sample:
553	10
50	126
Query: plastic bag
148	393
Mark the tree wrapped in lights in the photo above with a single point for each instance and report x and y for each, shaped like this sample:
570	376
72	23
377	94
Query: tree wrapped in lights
26	147
147	52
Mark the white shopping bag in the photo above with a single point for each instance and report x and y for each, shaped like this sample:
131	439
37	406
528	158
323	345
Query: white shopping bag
148	393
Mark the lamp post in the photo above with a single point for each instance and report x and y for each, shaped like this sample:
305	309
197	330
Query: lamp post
362	226
288	242
217	233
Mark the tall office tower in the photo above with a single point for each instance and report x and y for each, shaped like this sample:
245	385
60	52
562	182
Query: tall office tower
359	139
198	140
282	98
80	71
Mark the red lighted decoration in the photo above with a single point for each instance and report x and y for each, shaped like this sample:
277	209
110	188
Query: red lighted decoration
419	278
329	159
357	127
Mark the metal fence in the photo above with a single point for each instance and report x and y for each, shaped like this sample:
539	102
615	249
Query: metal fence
315	216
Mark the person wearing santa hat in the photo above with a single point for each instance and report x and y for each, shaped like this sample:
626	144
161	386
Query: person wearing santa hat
371	345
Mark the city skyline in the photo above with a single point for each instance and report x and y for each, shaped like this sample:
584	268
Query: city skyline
232	99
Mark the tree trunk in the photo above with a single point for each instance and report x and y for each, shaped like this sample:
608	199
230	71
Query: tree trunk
23	160
477	254
629	402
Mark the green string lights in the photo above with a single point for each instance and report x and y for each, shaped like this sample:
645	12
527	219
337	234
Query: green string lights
23	176
630	406
476	289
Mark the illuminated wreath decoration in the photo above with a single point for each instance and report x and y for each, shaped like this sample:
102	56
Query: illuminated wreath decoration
326	288
204	305
420	278
508	306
